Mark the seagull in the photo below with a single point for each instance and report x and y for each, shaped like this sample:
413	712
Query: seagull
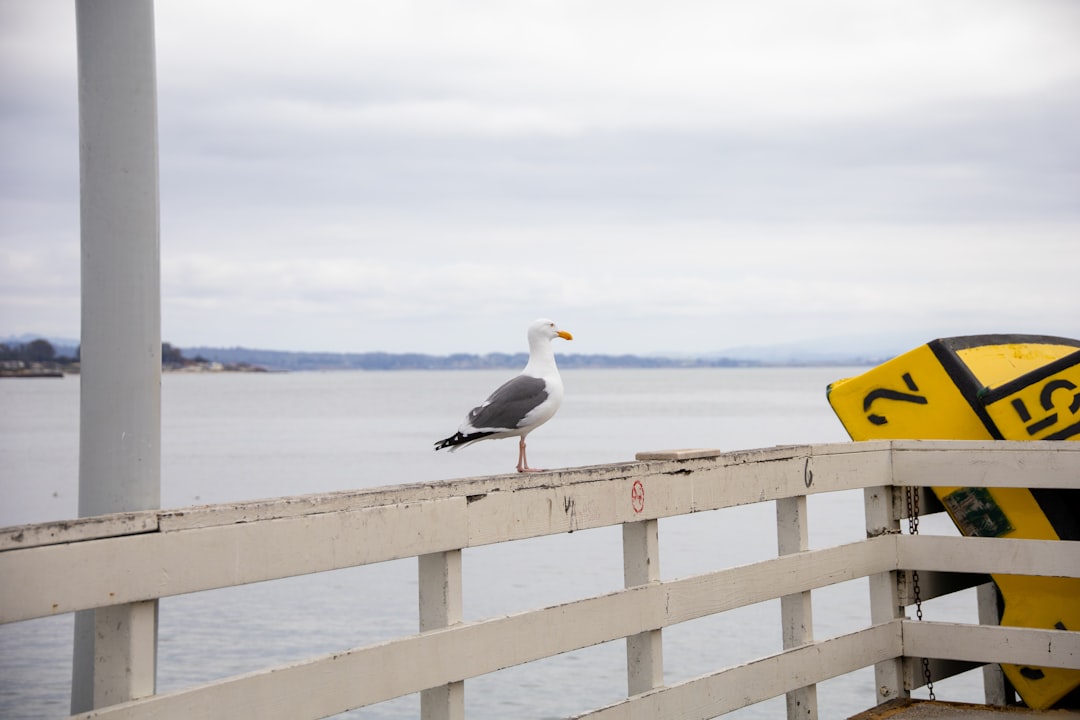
521	404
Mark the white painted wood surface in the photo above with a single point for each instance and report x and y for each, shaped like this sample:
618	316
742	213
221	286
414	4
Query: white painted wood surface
63	567
440	596
758	680
641	566
886	605
796	611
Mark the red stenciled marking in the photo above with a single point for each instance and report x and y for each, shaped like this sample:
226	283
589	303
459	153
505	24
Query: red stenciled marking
637	496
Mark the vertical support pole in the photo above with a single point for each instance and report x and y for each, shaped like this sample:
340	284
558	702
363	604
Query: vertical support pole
796	611
885	599
124	640
440	606
641	566
120	410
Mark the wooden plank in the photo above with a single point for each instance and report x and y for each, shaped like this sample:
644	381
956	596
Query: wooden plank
992	643
996	463
352	500
911	457
701	595
20	537
1002	446
335	683
188	518
685	454
786	473
737	687
171	520
1057	558
532	512
97	573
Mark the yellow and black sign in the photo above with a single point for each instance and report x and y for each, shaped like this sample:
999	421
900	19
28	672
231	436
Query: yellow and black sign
983	387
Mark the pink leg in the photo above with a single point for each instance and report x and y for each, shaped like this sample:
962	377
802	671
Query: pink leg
523	464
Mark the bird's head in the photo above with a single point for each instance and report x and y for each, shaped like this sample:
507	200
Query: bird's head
547	330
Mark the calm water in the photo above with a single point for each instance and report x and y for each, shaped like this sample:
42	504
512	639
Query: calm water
237	437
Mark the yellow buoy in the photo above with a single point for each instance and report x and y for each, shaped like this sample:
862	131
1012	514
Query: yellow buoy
1004	387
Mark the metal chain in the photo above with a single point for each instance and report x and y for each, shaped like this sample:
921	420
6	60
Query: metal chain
912	495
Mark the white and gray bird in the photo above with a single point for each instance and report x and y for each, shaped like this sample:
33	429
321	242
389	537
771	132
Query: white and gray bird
521	404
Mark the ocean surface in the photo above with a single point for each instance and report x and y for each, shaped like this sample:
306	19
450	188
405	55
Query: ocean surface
229	437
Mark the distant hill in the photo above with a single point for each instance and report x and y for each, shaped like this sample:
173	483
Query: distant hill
283	360
822	353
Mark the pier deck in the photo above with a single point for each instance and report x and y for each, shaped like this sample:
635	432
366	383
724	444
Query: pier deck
910	709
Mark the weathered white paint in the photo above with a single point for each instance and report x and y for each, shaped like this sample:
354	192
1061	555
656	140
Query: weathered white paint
743	685
936	463
886	604
1019	646
1056	558
131	568
90	528
796	611
65	567
440	597
641	566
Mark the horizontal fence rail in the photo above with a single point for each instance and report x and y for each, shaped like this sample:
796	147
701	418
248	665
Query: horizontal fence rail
107	561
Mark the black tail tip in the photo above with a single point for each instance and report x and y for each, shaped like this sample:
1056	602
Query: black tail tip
455	439
460	439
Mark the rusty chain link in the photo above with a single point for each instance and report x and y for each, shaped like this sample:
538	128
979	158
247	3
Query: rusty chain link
912	495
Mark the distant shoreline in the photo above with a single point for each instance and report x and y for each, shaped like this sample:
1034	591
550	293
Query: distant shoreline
279	360
49	360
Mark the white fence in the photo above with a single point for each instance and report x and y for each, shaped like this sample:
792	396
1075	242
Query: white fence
120	565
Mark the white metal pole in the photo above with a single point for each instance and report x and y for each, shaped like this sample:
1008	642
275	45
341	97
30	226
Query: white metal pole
120	415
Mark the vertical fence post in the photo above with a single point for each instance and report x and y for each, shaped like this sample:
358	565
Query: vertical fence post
641	566
115	648
796	611
885	598
995	687
440	606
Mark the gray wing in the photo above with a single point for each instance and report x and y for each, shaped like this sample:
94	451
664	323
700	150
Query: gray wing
509	405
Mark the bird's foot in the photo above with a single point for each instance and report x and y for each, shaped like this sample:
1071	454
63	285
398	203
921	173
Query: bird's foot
529	469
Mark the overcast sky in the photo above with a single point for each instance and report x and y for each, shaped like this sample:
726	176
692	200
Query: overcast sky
680	177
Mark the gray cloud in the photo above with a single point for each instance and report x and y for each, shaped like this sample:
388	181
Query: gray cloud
359	176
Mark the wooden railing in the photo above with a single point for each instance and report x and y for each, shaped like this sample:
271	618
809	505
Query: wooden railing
131	560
